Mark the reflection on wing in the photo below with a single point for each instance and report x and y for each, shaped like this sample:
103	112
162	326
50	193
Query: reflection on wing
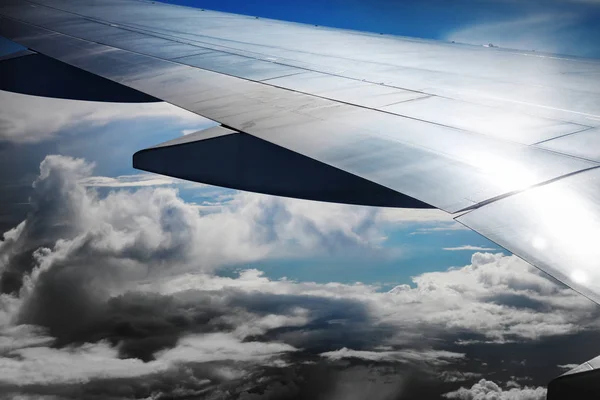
554	226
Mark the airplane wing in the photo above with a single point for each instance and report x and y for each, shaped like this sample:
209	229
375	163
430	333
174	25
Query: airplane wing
507	141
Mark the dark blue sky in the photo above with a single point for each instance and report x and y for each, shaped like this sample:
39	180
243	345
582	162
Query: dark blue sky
569	27
411	18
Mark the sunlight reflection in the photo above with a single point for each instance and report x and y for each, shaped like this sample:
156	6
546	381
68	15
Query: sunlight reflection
579	276
567	223
508	175
555	227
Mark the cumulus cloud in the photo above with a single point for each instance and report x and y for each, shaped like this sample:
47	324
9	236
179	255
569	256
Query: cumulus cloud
485	389
152	229
95	248
18	124
122	286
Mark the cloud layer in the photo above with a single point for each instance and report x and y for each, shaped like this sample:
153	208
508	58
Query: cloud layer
120	294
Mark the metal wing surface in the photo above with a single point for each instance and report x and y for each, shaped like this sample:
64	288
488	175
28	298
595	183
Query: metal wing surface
508	141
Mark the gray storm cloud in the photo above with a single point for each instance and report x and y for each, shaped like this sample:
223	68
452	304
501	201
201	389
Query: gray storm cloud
76	250
119	293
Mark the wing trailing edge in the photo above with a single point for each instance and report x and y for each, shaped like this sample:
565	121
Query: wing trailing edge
27	72
582	382
224	157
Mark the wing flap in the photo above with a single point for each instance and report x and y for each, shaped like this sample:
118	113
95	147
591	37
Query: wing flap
37	75
224	157
582	382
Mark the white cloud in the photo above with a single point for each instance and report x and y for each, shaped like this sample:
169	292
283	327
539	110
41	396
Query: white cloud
403	215
470	248
485	389
44	365
137	180
31	364
219	346
567	367
501	297
445	227
252	325
434	357
19	124
458	376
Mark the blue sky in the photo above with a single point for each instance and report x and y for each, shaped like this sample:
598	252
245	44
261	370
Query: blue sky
563	26
416	253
